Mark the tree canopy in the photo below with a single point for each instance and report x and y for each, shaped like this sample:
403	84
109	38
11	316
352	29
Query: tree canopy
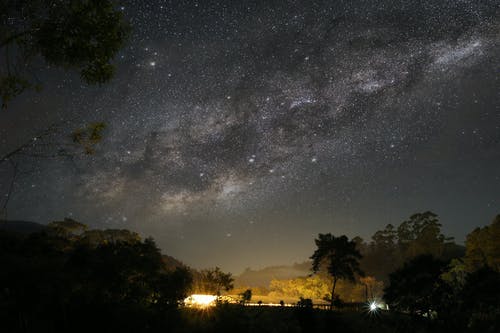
392	246
338	256
59	280
83	35
213	281
483	247
413	285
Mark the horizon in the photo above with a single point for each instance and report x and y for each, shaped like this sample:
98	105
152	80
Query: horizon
239	270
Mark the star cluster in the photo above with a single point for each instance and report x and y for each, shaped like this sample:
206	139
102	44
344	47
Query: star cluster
253	123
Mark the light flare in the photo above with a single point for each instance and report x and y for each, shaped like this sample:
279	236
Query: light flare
200	301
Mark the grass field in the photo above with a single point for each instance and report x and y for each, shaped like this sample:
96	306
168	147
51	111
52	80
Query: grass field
236	318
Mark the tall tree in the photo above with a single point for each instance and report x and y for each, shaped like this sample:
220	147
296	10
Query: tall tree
83	35
340	258
421	234
385	239
382	255
213	281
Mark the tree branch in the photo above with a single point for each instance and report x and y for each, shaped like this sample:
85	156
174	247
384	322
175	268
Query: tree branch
11	189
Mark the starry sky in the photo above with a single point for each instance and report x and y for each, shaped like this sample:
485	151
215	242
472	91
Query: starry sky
239	130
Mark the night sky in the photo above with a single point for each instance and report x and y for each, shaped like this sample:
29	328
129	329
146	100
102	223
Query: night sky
239	130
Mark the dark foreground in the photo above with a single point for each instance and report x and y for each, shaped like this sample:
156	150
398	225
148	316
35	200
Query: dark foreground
236	318
229	318
233	318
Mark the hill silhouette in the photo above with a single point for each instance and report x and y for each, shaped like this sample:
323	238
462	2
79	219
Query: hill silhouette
262	277
22	227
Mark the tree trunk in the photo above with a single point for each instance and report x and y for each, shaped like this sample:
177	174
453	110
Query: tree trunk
332	299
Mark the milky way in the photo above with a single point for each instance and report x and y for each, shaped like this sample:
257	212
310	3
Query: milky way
239	130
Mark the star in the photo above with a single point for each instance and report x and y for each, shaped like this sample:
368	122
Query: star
336	113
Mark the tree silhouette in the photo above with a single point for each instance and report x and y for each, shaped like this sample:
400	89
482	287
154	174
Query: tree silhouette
84	35
213	281
392	246
381	256
481	299
58	281
340	258
51	143
421	234
413	286
483	247
246	296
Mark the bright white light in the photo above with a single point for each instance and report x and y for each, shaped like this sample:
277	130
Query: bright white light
373	306
200	301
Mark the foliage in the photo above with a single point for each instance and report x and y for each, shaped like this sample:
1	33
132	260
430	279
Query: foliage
48	145
88	136
481	300
305	303
412	286
373	289
483	247
212	281
392	246
421	234
313	287
66	228
463	295
456	274
318	288
469	300
246	296
340	258
83	35
56	280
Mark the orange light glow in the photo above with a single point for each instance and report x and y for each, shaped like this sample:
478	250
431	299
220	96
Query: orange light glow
200	301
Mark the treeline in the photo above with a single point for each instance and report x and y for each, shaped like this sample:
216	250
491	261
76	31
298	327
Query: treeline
66	278
318	287
457	294
460	294
413	267
389	248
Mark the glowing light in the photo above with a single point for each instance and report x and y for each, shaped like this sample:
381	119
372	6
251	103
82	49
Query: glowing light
200	301
374	306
